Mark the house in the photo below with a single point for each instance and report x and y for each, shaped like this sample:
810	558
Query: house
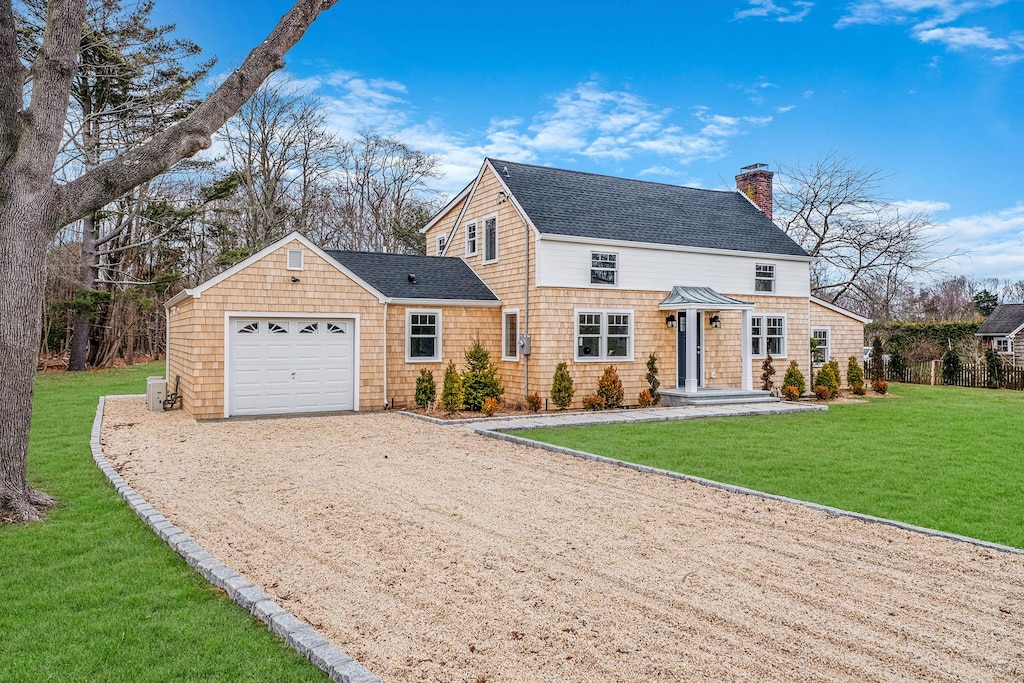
1003	331
542	266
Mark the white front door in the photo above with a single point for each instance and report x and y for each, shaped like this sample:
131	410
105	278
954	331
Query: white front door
290	365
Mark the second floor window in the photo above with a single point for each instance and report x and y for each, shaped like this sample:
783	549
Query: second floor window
764	277
490	239
470	239
603	268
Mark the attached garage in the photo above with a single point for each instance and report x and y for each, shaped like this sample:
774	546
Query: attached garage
290	365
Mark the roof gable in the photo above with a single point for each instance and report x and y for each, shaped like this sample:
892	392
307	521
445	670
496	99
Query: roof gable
586	205
1006	319
416	277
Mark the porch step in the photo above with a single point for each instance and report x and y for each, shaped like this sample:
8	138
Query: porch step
712	397
731	401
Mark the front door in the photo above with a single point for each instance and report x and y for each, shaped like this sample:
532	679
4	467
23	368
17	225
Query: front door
681	349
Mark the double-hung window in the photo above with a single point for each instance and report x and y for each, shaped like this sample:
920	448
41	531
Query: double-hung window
490	239
764	277
822	352
510	335
1003	345
471	239
604	334
442	241
768	333
604	268
423	336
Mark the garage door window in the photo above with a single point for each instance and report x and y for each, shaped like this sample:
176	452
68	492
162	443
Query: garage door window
423	341
309	328
277	328
248	328
335	329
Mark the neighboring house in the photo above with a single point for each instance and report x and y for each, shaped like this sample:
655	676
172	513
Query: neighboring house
1003	331
542	266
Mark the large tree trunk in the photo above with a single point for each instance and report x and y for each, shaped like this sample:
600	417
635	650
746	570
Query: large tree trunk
23	238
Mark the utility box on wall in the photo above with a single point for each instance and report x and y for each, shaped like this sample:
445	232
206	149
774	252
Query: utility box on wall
524	344
156	392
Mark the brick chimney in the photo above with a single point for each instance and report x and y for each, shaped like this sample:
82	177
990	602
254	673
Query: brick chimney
755	181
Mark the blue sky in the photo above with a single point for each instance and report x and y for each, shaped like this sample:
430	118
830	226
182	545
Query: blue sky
930	91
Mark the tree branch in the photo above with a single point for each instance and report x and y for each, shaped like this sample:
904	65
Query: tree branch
110	180
12	76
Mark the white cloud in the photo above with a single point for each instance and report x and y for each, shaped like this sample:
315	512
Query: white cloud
992	243
783	110
768	9
921	206
958	38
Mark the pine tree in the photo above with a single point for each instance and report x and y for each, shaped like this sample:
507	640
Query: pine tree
793	377
876	369
426	388
609	387
562	389
480	379
652	379
951	366
451	390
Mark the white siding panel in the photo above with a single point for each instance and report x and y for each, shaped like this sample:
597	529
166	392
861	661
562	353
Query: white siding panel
567	264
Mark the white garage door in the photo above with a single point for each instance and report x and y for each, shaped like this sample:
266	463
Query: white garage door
289	365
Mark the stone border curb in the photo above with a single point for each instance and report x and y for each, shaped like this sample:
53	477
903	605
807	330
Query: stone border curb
296	633
831	511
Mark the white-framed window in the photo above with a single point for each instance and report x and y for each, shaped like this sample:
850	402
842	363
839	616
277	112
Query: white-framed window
604	268
422	336
295	259
768	333
471	238
510	335
604	335
764	277
442	242
1003	345
823	348
491	239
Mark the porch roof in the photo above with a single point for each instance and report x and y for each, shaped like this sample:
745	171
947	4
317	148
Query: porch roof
703	298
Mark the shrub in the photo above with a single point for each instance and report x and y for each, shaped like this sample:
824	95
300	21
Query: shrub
533	402
562	389
858	387
593	402
790	392
834	364
854	372
827	378
994	366
451	389
426	388
951	366
767	372
794	378
822	392
609	387
881	386
897	366
644	400
876	366
480	379
490	406
652	379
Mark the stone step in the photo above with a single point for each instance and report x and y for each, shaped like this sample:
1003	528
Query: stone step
717	401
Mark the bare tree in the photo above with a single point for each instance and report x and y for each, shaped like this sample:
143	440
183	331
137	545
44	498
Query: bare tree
34	206
867	246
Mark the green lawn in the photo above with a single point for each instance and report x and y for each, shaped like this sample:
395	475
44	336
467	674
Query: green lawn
91	594
941	457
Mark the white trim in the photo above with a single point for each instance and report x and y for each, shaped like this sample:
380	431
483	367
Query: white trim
671	247
1009	345
764	315
615	270
447	302
476	236
441	243
840	310
483	254
511	197
603	356
828	340
447	207
409	312
288	259
504	331
228	315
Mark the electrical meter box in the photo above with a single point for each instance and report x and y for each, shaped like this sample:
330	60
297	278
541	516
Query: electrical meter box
524	344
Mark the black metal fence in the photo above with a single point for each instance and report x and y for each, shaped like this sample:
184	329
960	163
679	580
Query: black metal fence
974	375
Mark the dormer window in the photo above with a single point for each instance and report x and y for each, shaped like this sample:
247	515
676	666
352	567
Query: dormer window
764	277
604	268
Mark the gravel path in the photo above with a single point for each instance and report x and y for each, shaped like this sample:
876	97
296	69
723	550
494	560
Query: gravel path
430	553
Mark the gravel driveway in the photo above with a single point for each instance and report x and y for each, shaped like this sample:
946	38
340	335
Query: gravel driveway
430	553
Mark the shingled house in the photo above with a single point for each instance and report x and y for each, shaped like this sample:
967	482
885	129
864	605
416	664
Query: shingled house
1003	331
542	266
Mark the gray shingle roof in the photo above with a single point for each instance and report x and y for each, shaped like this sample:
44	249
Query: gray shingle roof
597	206
436	277
1004	320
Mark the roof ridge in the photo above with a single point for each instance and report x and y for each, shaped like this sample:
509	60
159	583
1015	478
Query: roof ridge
495	162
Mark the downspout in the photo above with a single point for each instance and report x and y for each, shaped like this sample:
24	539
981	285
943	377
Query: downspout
385	349
526	313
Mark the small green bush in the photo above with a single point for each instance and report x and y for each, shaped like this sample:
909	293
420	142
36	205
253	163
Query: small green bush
593	402
994	366
834	364
533	402
794	378
426	388
451	389
480	379
827	378
854	372
609	387
644	400
790	392
876	366
562	389
858	387
652	379
951	366
823	392
897	366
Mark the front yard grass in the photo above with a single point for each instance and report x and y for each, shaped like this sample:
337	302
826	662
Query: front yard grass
91	594
946	458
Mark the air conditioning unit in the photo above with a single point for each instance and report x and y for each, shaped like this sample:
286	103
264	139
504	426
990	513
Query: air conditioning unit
156	392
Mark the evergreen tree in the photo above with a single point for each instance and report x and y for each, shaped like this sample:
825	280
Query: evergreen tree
793	377
480	379
426	388
609	387
451	390
767	372
562	389
652	379
951	366
876	368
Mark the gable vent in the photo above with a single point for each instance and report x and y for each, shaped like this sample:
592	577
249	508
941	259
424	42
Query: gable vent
294	259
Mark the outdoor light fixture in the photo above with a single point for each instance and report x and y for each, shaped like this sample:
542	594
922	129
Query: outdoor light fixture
716	322
670	321
294	279
502	197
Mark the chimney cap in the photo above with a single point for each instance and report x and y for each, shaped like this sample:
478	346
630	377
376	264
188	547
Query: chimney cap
754	167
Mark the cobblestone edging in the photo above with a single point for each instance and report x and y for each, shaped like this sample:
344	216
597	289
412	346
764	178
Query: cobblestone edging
298	634
835	512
